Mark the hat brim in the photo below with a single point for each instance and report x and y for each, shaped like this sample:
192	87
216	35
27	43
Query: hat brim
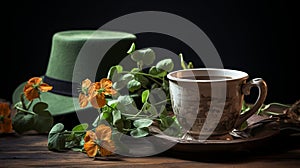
57	104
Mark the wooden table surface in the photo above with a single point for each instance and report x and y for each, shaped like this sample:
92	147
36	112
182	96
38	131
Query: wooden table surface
31	151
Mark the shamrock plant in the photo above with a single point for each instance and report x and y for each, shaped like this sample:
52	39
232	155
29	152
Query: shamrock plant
137	98
129	102
35	117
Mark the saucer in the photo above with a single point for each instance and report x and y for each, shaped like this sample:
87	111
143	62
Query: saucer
258	137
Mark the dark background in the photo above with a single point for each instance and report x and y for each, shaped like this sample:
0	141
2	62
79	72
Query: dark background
258	37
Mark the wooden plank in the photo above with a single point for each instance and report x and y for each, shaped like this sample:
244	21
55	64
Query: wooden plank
31	151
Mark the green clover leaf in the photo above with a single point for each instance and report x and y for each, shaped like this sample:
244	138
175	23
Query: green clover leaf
43	118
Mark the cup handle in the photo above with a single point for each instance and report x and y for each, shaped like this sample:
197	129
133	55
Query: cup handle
262	88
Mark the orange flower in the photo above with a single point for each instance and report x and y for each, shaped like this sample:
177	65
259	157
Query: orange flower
99	141
5	118
33	88
84	95
98	90
89	136
90	145
91	148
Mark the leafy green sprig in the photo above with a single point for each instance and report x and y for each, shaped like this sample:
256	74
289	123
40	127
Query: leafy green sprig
143	96
62	140
142	100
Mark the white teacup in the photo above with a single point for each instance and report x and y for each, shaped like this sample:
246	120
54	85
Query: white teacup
208	101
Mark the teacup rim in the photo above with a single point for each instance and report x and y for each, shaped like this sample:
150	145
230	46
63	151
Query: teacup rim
242	75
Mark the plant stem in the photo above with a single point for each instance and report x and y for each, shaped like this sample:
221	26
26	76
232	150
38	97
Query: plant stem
264	108
70	132
161	102
182	63
29	105
25	111
149	77
141	110
141	73
280	104
22	101
99	118
273	113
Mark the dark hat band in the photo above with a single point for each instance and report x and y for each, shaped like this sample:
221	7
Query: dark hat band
62	87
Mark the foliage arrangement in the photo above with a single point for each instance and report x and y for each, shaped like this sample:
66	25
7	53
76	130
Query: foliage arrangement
128	102
37	117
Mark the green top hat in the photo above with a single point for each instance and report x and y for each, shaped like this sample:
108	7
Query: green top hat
66	46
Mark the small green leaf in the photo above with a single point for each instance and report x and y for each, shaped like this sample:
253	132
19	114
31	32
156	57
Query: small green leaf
118	85
40	106
126	104
125	100
80	127
190	65
245	107
116	116
165	64
127	77
74	139
119	68
157	72
145	96
131	49
23	122
133	85
139	132
112	103
122	81
56	139
106	115
44	119
145	56
57	128
144	122
153	70
133	70
182	62
113	71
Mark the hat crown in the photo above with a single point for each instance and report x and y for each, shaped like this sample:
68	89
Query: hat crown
66	46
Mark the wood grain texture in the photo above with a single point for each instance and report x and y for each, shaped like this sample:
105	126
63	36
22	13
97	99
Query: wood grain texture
31	151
